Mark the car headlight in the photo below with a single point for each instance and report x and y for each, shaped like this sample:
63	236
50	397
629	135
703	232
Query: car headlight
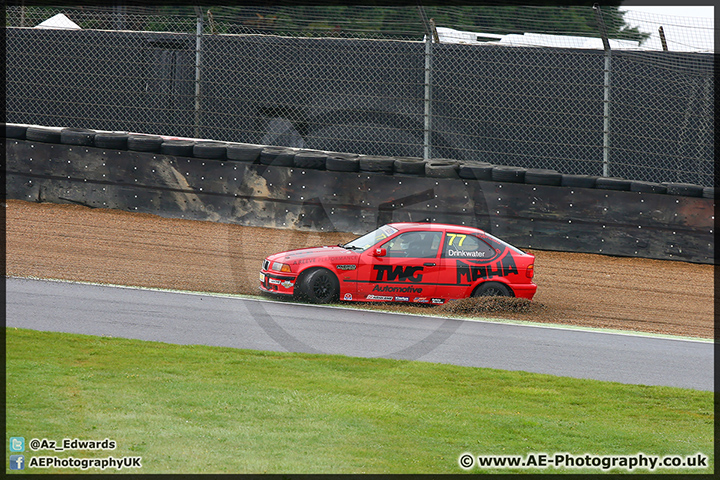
281	267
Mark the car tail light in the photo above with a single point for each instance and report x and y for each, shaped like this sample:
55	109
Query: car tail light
530	270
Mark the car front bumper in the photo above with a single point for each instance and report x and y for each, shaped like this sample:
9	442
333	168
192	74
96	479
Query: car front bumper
275	283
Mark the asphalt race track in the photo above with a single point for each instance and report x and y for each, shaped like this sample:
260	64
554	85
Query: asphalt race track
184	319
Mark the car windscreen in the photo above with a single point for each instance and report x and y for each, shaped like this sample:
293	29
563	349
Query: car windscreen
370	239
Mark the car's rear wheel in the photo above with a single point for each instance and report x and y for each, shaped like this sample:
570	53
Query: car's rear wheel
320	286
492	289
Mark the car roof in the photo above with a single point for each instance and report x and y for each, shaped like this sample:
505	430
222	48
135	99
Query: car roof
434	227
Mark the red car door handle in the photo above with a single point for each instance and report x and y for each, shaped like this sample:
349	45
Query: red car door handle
429	264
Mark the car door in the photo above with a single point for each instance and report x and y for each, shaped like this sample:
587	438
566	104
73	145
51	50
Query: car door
464	260
403	268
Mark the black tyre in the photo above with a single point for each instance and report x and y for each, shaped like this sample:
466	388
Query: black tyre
582	181
77	136
15	131
708	192
541	176
504	173
144	143
320	286
613	183
492	289
310	159
376	163
684	189
244	152
442	168
476	171
647	187
115	141
42	134
277	156
180	148
211	150
339	162
409	165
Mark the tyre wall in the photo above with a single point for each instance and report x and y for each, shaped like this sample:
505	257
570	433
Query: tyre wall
324	191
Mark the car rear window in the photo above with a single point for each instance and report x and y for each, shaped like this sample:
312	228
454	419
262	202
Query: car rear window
496	242
460	245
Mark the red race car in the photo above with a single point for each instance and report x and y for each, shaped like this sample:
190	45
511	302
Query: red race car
403	262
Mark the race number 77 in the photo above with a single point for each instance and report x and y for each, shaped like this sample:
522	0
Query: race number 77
452	238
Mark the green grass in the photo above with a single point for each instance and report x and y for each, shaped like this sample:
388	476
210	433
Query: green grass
196	409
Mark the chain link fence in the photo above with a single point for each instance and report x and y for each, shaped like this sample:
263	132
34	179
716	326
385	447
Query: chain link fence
497	84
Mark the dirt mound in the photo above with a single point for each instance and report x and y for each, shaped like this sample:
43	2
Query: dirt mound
481	306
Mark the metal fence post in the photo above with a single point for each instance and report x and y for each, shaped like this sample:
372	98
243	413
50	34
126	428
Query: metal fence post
427	131
606	92
198	61
118	16
427	114
704	131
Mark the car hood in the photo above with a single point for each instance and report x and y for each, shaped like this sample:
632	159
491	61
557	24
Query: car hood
332	254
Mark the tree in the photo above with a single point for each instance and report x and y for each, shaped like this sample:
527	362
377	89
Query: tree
580	20
369	19
387	21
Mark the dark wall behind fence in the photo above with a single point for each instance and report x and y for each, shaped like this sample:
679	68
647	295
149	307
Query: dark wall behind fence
522	106
257	192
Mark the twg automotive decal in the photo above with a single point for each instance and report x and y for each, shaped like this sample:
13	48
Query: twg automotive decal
470	272
390	289
390	273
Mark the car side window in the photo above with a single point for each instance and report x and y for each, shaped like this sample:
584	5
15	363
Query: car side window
414	245
460	245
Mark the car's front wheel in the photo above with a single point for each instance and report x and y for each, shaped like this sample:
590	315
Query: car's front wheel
492	289
320	286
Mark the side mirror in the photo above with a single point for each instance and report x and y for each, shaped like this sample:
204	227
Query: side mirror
379	252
